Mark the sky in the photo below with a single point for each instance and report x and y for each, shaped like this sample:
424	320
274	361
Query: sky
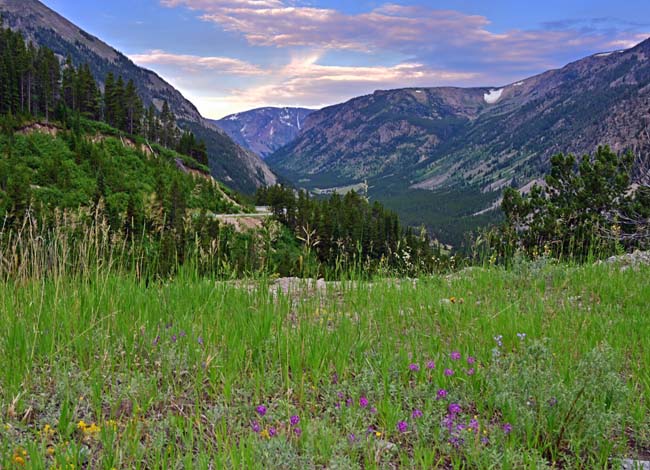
229	56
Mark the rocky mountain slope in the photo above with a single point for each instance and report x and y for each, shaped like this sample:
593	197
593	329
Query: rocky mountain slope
239	168
437	138
264	130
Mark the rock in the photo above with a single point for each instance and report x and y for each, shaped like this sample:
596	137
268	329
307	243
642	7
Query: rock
629	464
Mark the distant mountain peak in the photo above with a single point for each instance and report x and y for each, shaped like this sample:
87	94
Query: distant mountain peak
264	130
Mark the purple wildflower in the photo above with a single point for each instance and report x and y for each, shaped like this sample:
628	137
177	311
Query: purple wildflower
498	339
449	372
448	422
173	338
507	428
156	340
431	365
485	441
340	395
335	378
402	426
295	419
348	402
363	401
352	438
473	424
442	393
454	408
417	413
255	426
337	405
455	355
373	410
272	431
414	367
521	336
470	371
261	410
200	340
471	360
297	432
183	334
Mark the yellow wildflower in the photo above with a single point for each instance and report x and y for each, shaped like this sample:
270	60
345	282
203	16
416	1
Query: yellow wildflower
265	434
377	433
50	450
18	460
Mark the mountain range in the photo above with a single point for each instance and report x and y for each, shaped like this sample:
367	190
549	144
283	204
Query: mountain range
264	130
473	139
238	167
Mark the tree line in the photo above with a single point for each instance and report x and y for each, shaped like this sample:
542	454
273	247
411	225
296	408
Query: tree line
33	83
350	230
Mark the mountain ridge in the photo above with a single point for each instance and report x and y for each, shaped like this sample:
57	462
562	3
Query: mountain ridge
238	167
490	137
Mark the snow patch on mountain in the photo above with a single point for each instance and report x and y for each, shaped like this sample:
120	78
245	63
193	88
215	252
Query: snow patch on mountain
493	96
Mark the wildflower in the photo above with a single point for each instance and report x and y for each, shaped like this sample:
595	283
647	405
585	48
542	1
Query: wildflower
348	402
449	372
507	428
485	441
471	360
377	434
402	426
470	371
261	410
183	334
414	367
431	365
297	432
552	402
265	434
200	340
452	299
473	424
373	410
337	405
363	402
416	413
454	408
352	438
50	451
82	425
335	378
173	338
295	419
156	340
442	393
521	336
272	431
498	340
255	426
340	395
455	355
18	460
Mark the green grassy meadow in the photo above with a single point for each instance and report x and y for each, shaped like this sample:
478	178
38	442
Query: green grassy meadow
538	366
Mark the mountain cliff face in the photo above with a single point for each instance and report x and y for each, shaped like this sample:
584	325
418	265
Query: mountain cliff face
264	130
436	138
239	168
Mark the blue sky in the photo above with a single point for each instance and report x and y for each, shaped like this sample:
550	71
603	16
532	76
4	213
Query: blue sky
232	55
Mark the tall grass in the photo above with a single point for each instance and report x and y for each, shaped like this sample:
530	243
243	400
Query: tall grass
105	370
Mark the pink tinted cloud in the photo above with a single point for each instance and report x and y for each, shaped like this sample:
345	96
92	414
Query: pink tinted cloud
224	65
416	31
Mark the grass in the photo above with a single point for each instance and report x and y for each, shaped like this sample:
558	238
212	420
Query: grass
103	371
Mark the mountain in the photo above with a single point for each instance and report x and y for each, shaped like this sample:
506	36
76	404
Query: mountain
473	140
239	168
264	130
